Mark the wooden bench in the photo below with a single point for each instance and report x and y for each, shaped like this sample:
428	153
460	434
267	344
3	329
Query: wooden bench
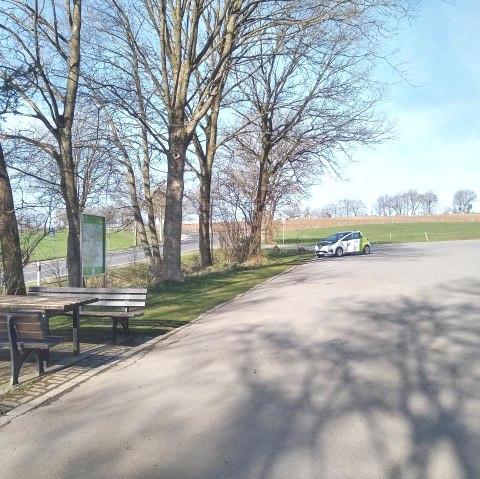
23	333
117	304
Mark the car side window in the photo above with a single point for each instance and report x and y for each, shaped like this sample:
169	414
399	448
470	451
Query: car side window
348	237
357	235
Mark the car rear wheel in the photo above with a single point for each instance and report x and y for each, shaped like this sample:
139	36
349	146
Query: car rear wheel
366	249
339	252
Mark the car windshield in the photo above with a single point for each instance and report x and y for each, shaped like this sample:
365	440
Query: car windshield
336	236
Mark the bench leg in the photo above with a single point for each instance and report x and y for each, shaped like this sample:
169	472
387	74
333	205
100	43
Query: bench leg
39	356
46	357
124	323
15	365
17	359
75	328
16	362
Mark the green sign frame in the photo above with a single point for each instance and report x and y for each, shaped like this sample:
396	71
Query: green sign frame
93	245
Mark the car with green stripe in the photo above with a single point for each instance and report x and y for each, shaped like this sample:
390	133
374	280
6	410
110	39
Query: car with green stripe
343	242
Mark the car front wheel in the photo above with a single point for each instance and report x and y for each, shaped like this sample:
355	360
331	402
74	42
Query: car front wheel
339	252
366	249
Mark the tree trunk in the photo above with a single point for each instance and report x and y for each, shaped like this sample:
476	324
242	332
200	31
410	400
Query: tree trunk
258	214
260	204
268	228
68	170
72	207
9	237
172	230
206	168
155	264
204	219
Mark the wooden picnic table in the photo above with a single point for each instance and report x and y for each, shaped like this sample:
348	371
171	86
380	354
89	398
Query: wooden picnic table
49	305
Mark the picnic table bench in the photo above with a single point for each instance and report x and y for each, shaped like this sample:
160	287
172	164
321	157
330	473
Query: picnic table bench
117	304
23	333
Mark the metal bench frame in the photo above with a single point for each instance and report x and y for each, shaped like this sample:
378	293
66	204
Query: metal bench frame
23	333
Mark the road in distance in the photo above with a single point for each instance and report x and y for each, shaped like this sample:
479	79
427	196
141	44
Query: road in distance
57	267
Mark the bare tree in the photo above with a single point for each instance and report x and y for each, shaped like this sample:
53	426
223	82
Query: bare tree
382	207
119	84
414	200
329	211
47	37
463	198
358	208
429	203
398	204
187	33
293	210
314	92
184	52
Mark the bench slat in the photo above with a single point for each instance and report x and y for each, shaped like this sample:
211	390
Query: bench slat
116	304
112	314
87	291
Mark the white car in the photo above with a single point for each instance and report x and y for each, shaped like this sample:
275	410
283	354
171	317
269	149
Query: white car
344	242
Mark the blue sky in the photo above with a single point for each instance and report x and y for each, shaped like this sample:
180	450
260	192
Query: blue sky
438	114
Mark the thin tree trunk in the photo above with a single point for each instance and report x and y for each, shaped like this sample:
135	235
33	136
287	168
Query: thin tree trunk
258	215
262	190
9	237
204	219
72	207
155	264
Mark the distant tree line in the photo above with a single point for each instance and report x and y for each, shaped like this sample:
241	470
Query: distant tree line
409	203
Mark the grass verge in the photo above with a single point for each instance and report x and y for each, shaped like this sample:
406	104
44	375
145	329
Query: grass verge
174	304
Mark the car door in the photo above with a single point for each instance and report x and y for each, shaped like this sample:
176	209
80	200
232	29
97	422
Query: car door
347	243
355	242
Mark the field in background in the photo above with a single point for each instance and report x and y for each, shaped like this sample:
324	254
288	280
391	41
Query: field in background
379	229
305	223
396	229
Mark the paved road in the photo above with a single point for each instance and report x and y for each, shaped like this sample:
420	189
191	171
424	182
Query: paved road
57	268
353	368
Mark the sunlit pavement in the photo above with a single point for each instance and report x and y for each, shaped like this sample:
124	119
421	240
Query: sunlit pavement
358	367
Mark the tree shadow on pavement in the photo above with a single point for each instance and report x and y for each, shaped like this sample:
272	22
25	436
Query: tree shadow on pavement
393	393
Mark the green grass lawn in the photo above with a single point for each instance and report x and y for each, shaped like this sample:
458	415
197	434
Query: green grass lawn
389	233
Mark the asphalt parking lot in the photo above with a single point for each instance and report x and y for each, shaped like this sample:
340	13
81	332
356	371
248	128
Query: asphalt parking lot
358	367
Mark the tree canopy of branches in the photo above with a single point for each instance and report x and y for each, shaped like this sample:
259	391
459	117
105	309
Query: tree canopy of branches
43	41
155	78
311	97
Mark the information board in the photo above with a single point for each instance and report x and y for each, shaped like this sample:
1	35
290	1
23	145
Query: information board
94	235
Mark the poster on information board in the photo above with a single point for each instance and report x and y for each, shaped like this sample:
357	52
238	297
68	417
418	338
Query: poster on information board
94	237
